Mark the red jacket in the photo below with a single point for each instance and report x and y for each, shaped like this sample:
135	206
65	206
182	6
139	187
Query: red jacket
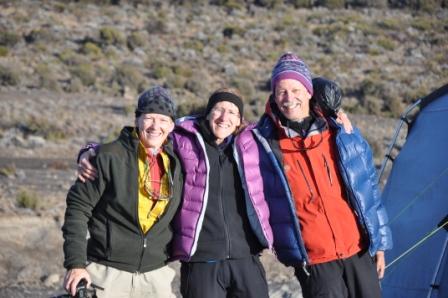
328	225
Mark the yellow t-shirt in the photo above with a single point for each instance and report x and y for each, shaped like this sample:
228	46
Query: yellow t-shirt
151	209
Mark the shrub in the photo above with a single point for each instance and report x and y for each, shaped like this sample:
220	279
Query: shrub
136	40
368	3
301	3
422	24
373	51
413	94
92	50
391	24
245	86
430	5
3	51
75	85
70	57
230	4
112	36
191	107
42	35
111	136
130	75
46	77
9	39
8	170
331	31
195	45
27	199
230	30
377	149
331	4
183	71
394	105
373	105
199	83
85	72
43	127
9	75
157	26
427	5
223	49
371	86
59	7
161	71
175	81
386	43
271	3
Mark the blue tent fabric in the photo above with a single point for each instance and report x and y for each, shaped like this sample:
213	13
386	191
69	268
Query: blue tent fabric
416	199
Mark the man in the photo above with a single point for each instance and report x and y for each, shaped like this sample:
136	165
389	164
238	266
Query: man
127	210
324	202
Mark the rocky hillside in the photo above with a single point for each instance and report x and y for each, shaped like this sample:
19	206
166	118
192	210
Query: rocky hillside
70	72
381	57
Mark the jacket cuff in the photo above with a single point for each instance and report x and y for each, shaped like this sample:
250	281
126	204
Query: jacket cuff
87	147
75	266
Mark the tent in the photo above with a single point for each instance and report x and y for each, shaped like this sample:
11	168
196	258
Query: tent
416	199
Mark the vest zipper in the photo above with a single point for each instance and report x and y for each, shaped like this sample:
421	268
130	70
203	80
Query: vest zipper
328	170
306	181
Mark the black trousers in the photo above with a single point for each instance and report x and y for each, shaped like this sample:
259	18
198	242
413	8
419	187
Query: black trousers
354	277
233	278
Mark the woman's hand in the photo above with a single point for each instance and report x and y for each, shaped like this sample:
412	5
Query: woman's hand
380	263
86	171
343	119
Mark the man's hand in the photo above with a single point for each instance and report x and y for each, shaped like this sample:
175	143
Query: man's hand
343	119
73	277
86	171
380	263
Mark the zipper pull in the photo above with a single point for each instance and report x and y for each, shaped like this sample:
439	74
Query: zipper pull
304	269
328	170
144	243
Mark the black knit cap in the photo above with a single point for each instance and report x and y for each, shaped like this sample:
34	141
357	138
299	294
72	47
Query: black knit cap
156	100
225	96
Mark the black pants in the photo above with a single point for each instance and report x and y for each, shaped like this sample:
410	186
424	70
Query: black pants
354	277
234	278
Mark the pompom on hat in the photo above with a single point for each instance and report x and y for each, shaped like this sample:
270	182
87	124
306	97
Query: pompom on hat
289	66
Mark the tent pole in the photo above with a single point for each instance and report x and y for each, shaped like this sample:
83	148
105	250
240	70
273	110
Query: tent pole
398	127
439	265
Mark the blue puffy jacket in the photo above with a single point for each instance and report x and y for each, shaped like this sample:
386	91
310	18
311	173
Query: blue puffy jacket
360	181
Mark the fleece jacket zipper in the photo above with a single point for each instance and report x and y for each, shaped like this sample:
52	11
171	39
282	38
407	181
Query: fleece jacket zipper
226	230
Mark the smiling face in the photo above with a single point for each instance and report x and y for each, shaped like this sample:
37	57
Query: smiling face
224	118
292	99
153	129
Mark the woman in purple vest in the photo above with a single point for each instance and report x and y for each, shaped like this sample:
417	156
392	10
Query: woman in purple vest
223	222
220	228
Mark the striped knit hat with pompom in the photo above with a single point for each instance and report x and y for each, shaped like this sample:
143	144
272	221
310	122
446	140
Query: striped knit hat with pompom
289	66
